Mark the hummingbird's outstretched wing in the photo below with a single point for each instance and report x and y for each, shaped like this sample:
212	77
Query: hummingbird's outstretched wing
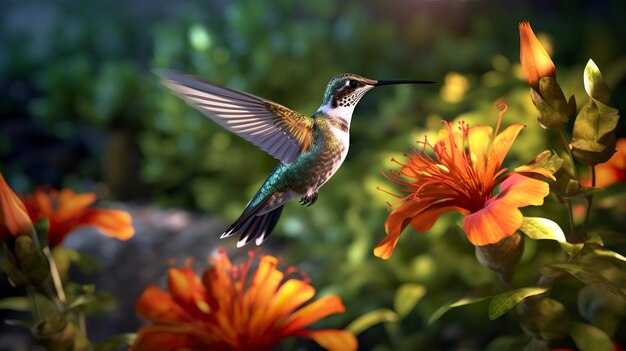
276	129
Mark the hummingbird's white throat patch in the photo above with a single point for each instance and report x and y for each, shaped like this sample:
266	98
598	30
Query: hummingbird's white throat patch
345	109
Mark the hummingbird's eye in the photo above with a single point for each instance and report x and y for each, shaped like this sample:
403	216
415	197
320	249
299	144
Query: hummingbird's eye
353	84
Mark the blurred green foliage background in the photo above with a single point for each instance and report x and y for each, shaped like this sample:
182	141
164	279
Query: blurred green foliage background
80	108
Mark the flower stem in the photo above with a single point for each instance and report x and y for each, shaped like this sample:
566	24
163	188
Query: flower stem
31	292
570	214
589	199
56	277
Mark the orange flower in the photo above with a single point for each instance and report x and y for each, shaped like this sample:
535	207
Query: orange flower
612	171
463	175
536	62
14	219
67	211
233	308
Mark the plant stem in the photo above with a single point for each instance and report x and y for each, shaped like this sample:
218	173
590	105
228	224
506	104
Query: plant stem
31	292
569	152
573	235
82	325
589	199
56	277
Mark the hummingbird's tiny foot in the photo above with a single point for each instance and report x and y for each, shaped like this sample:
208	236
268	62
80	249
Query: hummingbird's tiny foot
309	200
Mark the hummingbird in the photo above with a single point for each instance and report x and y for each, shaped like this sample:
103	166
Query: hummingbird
310	148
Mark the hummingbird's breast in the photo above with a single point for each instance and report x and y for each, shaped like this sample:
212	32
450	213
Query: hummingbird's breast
313	169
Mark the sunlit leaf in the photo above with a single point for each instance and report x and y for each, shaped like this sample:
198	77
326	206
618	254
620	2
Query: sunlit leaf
16	304
585	275
407	296
503	302
603	252
590	338
538	228
372	318
470	298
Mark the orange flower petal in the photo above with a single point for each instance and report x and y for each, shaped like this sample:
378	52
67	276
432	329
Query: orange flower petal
157	306
187	289
478	140
113	223
313	312
39	205
265	281
501	146
536	62
422	215
500	218
291	295
72	204
494	222
334	340
14	219
521	191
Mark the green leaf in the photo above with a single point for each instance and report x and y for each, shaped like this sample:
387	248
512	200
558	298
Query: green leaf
503	302
594	133
372	318
545	319
20	303
41	227
590	338
470	298
116	342
538	228
603	252
595	86
86	263
547	159
585	275
407	296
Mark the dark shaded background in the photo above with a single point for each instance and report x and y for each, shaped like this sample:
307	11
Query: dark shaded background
79	108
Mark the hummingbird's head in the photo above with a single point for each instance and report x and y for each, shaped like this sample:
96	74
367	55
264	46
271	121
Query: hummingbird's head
345	90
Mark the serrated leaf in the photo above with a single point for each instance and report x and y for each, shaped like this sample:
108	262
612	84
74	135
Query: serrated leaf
20	303
407	296
116	342
538	228
503	302
590	338
370	319
470	298
586	276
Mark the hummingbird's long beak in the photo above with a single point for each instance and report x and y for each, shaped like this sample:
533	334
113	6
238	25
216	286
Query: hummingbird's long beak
390	82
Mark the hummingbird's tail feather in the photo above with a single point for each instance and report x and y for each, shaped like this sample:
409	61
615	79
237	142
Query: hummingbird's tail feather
251	225
259	227
248	212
